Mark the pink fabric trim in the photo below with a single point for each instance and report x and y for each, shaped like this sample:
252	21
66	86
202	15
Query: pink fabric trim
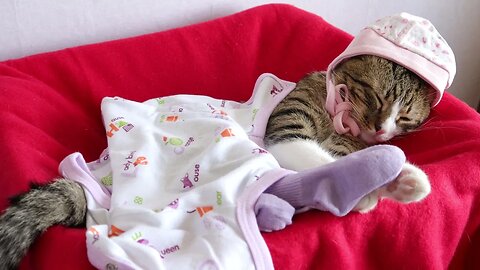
342	122
260	123
75	168
248	222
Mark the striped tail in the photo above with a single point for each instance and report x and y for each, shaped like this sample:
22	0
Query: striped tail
30	214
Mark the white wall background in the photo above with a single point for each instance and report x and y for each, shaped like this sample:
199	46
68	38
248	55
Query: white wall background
34	26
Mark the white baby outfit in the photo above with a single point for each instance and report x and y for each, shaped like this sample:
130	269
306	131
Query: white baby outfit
176	186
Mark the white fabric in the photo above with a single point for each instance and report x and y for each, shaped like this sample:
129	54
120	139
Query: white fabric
184	175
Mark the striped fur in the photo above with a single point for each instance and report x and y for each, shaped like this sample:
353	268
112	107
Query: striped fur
60	203
375	84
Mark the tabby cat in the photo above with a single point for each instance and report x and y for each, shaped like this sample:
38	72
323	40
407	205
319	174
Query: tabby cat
388	100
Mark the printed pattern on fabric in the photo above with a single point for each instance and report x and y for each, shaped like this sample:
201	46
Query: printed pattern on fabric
176	167
416	34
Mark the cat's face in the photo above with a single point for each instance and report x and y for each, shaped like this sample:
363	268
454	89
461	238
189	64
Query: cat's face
387	99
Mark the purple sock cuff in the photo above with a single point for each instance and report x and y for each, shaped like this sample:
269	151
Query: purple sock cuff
289	188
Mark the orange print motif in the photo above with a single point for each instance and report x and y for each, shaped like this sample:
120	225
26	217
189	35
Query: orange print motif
113	129
128	169
95	233
169	118
227	133
202	210
220	112
116	124
140	160
115	231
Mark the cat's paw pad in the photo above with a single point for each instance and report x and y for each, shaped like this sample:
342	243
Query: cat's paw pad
273	213
411	185
367	203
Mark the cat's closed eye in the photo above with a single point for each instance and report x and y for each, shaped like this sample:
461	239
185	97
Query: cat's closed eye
380	103
405	119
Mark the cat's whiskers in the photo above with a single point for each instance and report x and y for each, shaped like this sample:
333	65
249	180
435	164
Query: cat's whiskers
356	110
440	128
428	121
428	128
335	75
426	125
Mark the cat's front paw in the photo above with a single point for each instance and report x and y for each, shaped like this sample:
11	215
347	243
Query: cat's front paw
367	203
411	185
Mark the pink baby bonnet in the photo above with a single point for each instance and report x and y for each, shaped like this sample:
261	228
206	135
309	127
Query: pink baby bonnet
408	40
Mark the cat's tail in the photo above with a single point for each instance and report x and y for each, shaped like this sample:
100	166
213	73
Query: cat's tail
30	214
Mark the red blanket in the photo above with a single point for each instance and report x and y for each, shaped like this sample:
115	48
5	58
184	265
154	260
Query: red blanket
50	108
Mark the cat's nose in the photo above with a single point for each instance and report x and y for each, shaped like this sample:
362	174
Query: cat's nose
380	132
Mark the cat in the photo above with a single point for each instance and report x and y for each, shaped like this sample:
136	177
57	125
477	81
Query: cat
388	100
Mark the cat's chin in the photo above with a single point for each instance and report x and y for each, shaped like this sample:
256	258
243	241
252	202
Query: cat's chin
368	137
371	138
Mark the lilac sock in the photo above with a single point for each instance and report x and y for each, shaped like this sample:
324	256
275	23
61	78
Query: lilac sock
273	213
338	186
